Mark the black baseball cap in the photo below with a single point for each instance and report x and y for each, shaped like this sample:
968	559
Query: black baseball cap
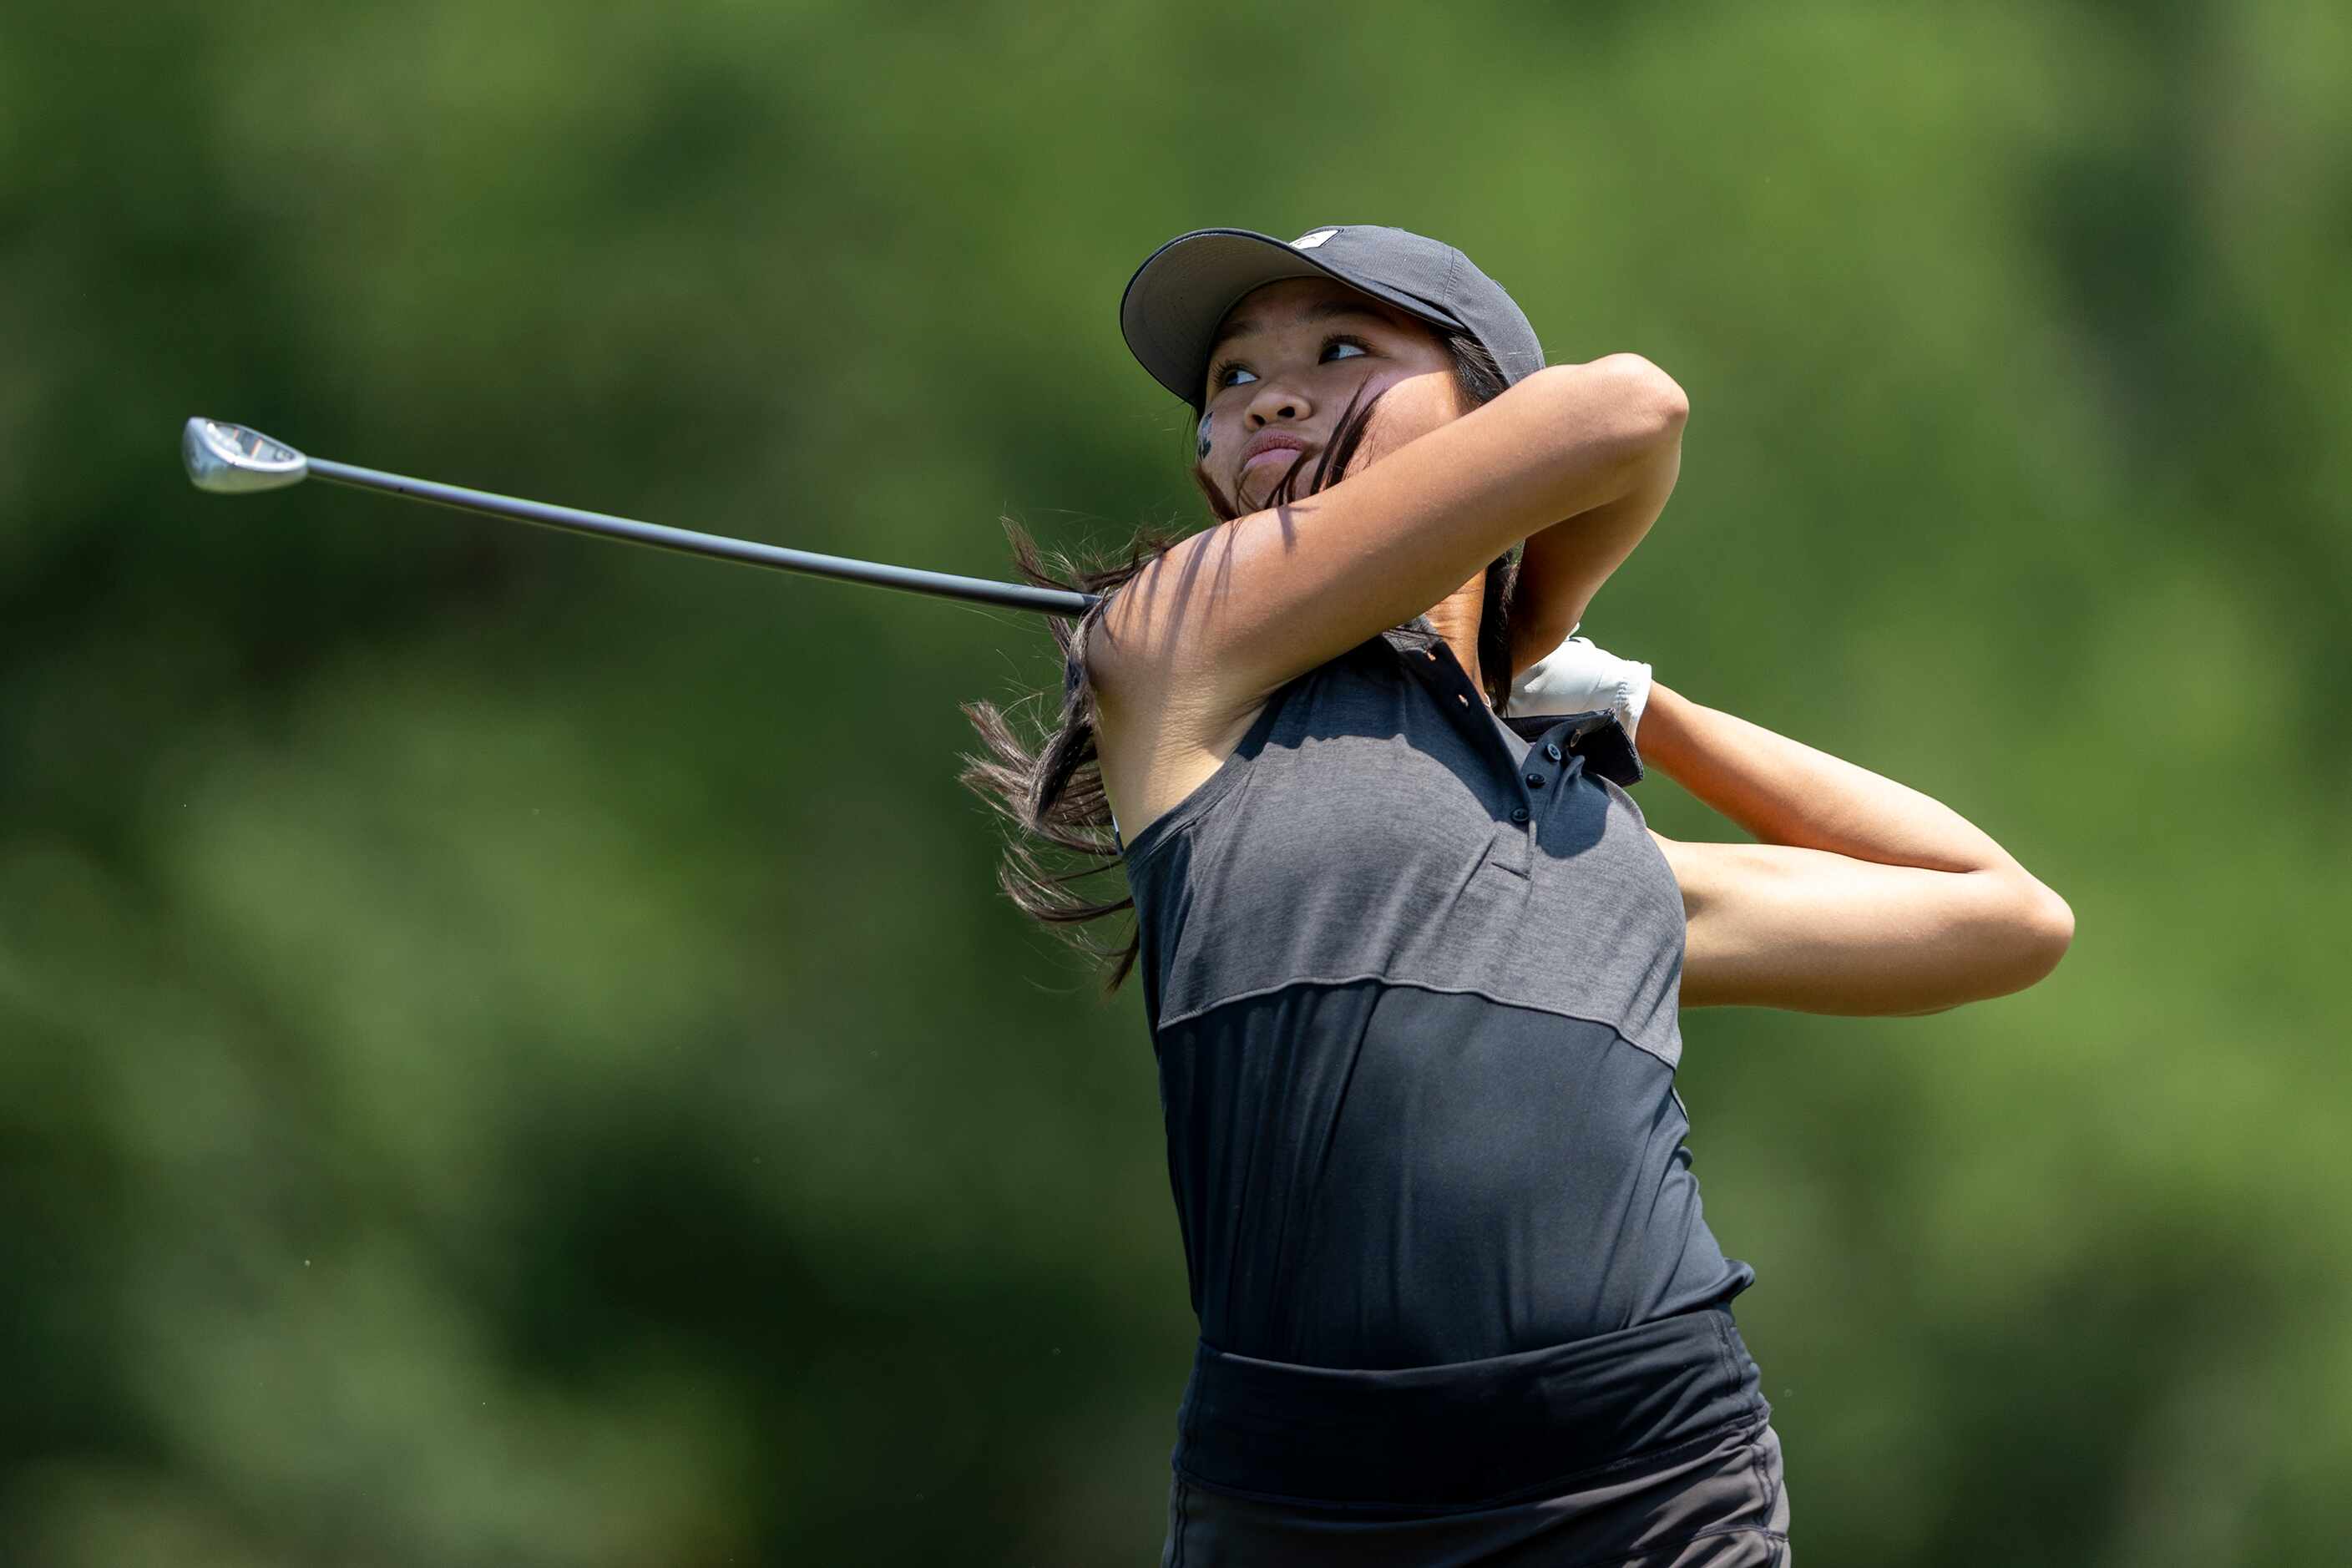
1174	303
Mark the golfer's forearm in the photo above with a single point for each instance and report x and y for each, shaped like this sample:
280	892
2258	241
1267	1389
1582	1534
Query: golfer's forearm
1564	565
1783	792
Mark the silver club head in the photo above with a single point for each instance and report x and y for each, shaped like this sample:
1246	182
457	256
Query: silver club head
229	459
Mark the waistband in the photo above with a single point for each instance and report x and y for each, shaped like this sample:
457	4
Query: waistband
1466	1433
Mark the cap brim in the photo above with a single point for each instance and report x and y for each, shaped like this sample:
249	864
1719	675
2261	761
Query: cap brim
1176	300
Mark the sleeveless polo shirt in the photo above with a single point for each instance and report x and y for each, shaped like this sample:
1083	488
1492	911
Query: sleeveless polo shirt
1410	971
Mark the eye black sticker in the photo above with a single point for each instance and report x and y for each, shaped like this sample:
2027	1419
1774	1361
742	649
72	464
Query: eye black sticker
1203	433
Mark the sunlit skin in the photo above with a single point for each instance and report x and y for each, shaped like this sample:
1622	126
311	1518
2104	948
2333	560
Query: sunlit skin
1858	896
1290	357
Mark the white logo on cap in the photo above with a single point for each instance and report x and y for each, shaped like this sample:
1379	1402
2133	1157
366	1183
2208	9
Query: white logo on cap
1309	241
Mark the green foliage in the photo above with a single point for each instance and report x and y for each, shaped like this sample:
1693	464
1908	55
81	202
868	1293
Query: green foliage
513	1051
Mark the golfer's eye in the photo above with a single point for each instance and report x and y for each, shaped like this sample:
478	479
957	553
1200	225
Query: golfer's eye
1233	373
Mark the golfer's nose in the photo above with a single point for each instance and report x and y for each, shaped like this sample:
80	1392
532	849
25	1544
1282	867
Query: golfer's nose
1276	404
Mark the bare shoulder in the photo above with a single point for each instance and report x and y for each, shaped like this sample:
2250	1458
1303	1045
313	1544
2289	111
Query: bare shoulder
1162	730
1156	642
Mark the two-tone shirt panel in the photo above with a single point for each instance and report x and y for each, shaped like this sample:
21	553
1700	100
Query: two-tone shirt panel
1412	974
1385	824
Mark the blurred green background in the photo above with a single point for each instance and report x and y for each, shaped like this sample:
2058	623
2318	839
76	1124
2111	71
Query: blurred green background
509	1048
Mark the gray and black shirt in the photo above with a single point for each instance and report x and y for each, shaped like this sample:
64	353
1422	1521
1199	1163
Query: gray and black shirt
1412	974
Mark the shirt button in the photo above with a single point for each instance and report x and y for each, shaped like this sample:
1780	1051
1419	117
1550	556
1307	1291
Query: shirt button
1518	814
1535	780
1551	750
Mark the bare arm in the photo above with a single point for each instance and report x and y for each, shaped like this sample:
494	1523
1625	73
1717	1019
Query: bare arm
1228	615
1565	565
1864	897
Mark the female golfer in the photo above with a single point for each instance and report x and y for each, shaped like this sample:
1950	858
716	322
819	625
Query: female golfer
1413	960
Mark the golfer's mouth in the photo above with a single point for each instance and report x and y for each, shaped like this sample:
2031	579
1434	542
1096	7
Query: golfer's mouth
1283	452
1263	469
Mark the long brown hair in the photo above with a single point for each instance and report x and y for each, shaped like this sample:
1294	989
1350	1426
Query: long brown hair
1052	789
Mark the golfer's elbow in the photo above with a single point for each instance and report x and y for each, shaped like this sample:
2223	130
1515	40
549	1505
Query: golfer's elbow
1619	406
2052	922
1607	430
2033	931
2012	934
1649	407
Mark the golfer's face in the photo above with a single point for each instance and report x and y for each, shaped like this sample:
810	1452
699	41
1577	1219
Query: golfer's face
1290	356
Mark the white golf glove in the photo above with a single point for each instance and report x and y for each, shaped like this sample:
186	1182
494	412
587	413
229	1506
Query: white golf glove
1577	677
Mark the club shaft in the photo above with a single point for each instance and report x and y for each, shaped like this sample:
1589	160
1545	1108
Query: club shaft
748	553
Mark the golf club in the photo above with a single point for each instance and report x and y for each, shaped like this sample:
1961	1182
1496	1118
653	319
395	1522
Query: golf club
233	460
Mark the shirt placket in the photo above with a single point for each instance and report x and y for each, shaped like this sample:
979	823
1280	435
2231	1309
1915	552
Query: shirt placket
1533	781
